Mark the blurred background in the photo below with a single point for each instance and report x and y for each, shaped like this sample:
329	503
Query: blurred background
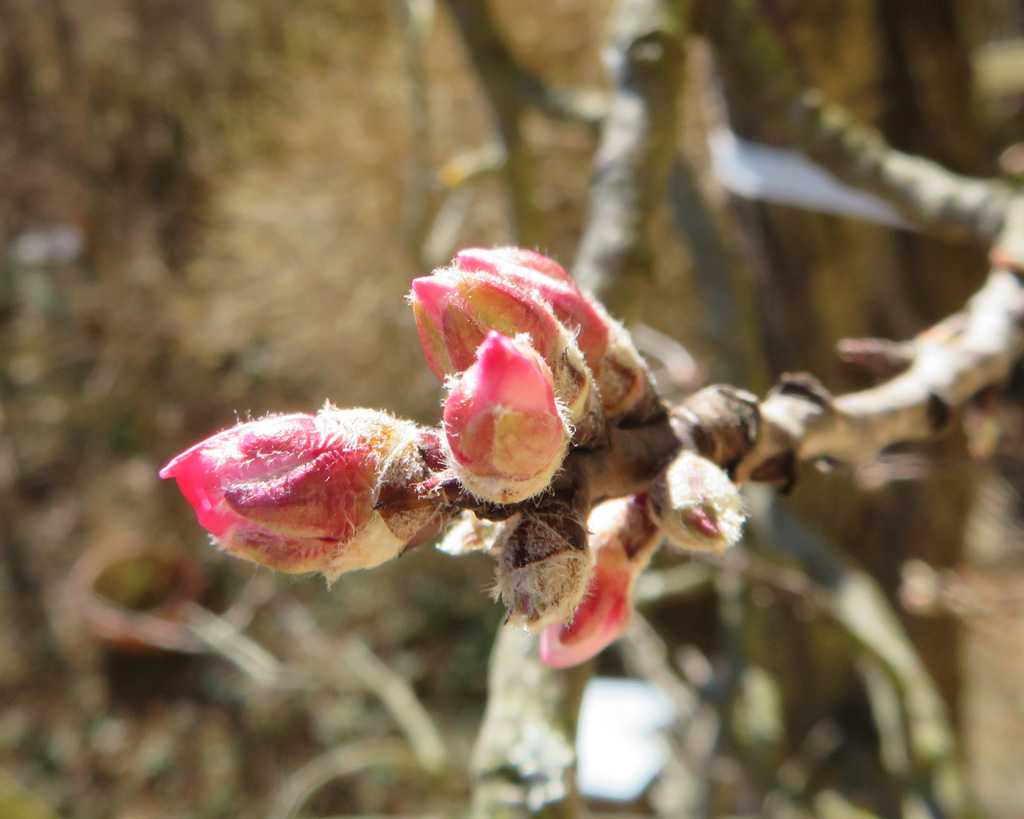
211	211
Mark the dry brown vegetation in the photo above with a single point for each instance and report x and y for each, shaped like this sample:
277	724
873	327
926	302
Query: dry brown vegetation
239	171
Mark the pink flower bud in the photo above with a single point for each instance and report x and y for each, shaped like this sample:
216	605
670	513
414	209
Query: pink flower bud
625	381
455	309
622	377
503	428
546	278
429	298
623	539
497	304
699	506
296	492
494	261
454	312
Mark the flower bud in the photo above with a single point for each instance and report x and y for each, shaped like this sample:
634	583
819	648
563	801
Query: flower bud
543	568
455	309
699	506
622	377
623	539
296	492
548	280
625	382
504	433
429	298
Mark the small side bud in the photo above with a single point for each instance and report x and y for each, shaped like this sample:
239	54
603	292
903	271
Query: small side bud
296	492
698	505
623	539
624	379
543	569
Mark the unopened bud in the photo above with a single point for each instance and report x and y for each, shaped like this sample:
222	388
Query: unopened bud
623	538
543	569
622	377
455	308
296	492
547	279
429	297
505	435
699	506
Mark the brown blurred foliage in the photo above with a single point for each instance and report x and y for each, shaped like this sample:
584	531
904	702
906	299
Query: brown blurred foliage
238	173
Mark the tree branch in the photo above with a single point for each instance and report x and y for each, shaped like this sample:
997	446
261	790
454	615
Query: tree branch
493	63
637	143
800	420
525	755
768	89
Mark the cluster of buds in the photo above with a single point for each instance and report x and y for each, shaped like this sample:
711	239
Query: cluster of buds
533	368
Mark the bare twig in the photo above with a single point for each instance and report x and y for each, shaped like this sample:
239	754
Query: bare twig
354	659
801	420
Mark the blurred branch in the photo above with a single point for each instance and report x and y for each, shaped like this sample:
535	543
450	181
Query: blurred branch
338	762
221	638
714	267
524	757
769	91
417	16
355	659
855	602
637	144
505	77
681	371
499	74
696	728
342	668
